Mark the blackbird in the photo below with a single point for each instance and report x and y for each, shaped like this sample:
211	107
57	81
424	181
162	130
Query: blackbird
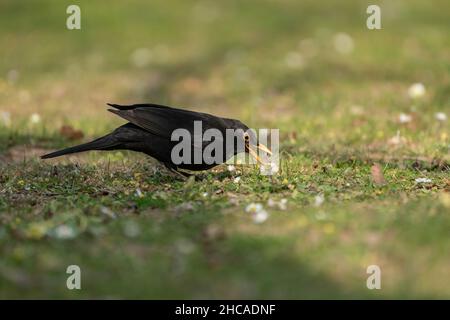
150	129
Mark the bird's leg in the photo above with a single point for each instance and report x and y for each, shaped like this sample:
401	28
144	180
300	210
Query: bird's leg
173	169
184	174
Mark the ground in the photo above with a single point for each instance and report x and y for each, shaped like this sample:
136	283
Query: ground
354	140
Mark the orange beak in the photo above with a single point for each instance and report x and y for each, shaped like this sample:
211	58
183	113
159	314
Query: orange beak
254	154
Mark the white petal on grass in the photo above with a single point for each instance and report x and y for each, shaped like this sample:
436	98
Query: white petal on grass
5	118
139	193
264	169
343	43
416	90
131	229
64	232
204	194
294	60
237	180
269	169
319	200
141	57
253	207
282	205
397	139
186	206
260	216
440	116
35	118
357	110
321	216
423	180
108	212
231	168
271	203
274	167
404	118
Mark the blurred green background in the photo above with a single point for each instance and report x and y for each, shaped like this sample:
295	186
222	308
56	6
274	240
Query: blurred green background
339	93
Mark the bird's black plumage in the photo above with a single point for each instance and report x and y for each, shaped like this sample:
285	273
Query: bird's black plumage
149	130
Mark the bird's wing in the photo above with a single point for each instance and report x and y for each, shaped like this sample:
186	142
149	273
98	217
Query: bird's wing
162	120
140	105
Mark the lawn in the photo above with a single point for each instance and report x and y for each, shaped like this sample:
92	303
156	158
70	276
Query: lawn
364	174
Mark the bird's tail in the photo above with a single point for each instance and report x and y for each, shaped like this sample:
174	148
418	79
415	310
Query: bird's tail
107	142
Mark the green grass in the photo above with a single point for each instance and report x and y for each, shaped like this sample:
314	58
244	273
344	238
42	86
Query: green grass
337	115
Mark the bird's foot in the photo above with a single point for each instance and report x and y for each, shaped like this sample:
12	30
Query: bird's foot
179	174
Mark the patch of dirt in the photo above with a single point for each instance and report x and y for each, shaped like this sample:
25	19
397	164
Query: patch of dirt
21	153
370	157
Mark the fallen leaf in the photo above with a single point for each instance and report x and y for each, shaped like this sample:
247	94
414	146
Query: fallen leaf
377	175
70	133
292	136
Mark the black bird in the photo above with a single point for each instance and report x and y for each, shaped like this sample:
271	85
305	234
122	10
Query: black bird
150	128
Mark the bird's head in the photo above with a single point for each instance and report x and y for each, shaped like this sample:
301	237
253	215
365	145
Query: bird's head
247	141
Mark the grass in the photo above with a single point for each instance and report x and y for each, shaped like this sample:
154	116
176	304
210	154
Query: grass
271	64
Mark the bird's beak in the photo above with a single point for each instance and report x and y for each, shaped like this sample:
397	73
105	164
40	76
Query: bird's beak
264	148
254	154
